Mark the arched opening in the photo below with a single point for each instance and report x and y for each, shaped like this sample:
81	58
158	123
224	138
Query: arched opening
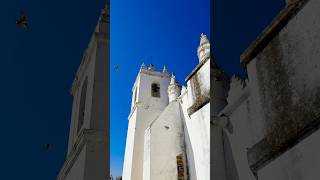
155	90
82	106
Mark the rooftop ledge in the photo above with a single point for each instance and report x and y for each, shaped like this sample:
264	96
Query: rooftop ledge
271	31
196	69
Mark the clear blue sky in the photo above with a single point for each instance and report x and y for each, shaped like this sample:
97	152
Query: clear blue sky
37	69
236	24
167	30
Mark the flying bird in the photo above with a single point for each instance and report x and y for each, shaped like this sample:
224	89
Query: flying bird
47	146
23	22
117	68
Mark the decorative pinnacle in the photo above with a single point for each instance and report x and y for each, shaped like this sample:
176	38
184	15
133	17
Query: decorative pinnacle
203	39
173	80
174	89
203	50
151	67
143	66
165	69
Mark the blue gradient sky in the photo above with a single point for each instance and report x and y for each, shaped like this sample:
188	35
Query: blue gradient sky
37	69
235	25
167	30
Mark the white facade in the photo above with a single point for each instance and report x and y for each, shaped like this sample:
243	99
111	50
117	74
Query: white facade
169	136
87	157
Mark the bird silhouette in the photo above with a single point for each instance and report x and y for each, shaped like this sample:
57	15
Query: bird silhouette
117	68
47	146
23	22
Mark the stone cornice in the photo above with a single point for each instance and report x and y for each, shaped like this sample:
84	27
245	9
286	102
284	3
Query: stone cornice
271	31
84	136
200	102
196	69
155	73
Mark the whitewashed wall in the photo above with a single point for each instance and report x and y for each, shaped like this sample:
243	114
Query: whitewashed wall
197	127
284	78
167	142
147	109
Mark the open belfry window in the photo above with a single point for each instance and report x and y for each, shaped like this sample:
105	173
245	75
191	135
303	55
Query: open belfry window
155	90
180	167
82	106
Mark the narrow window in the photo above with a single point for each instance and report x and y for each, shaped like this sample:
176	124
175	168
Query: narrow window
155	90
82	106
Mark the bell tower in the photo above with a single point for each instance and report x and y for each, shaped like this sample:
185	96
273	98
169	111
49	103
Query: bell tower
87	156
150	97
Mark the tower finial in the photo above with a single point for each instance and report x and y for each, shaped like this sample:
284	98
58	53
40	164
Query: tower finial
204	48
165	69
143	66
151	67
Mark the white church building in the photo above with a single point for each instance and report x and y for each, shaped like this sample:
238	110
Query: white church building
169	125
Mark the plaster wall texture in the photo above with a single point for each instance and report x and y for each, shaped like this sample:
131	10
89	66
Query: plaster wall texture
96	155
199	84
285	75
199	131
166	143
302	162
197	126
147	155
77	171
126	173
238	135
189	141
288	81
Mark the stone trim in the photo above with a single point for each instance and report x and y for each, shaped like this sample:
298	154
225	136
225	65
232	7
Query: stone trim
271	31
262	153
196	69
85	136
